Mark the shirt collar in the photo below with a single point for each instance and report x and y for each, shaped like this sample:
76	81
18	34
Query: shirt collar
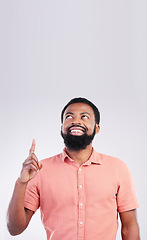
94	158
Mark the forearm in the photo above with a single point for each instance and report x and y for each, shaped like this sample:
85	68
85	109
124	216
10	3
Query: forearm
16	216
130	233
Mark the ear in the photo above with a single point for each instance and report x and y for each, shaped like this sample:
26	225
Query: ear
97	128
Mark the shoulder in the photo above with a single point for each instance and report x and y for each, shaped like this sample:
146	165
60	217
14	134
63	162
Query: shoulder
52	159
107	159
111	163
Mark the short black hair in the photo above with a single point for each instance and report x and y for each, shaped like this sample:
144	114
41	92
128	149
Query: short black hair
86	101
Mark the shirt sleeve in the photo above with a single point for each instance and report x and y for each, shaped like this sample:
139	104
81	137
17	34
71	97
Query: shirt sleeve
32	197
126	196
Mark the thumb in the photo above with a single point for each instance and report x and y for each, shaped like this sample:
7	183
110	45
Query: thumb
40	165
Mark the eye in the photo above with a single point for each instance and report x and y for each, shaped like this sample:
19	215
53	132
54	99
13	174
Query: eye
68	117
85	117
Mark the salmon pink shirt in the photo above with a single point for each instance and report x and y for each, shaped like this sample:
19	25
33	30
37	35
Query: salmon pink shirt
81	202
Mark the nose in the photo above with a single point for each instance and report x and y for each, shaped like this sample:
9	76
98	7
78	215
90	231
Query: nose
76	121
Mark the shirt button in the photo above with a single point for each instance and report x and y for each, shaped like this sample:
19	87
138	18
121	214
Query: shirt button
81	222
80	169
81	204
80	186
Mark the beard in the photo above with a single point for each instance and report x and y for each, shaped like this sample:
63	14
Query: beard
77	143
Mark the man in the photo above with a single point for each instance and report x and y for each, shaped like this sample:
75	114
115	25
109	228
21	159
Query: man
79	191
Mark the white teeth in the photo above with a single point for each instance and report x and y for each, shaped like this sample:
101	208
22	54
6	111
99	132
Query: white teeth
76	131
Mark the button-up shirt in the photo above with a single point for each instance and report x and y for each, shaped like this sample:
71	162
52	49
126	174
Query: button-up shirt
81	202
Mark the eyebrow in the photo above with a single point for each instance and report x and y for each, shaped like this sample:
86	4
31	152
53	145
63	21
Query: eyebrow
69	113
85	113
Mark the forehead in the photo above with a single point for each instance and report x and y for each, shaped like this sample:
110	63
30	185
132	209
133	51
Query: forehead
76	108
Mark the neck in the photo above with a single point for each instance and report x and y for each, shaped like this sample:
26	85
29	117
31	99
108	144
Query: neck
80	156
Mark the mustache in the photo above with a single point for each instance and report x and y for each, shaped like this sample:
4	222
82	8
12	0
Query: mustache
77	125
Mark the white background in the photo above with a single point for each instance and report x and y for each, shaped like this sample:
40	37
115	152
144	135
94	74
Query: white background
52	51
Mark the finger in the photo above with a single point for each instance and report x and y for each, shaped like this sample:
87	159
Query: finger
33	162
33	156
30	167
32	149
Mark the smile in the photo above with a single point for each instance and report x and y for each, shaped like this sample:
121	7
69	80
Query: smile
76	130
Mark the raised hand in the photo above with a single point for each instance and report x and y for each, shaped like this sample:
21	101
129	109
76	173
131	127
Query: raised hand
31	166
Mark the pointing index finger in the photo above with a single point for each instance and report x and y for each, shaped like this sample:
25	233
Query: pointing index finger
32	149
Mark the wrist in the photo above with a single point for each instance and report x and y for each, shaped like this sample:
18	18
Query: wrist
20	182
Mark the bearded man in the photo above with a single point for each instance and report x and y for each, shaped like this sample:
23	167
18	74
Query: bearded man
80	192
